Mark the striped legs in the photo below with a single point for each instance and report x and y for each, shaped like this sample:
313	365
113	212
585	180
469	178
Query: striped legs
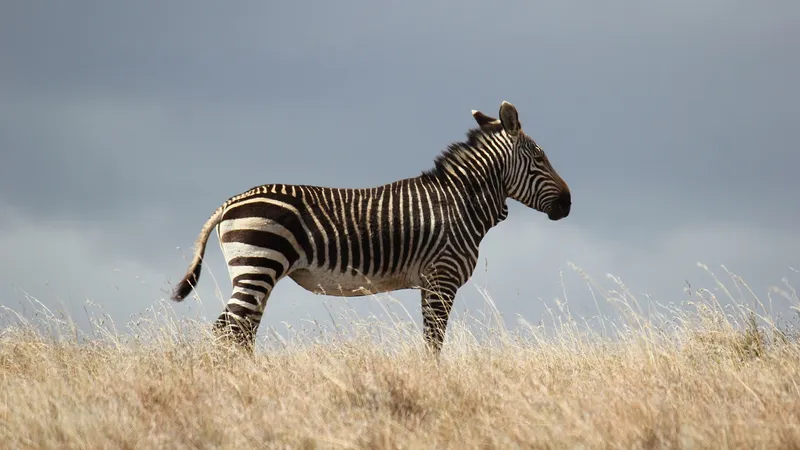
241	317
437	301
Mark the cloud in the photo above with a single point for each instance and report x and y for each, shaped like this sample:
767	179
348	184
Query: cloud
65	265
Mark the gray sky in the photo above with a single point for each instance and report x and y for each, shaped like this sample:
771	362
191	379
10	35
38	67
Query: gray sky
123	126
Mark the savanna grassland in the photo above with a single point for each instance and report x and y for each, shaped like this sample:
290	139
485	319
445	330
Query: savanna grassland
704	375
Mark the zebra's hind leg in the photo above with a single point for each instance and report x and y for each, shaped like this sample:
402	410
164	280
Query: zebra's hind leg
241	317
437	301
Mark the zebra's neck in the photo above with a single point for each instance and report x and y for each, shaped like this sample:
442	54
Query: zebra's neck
471	174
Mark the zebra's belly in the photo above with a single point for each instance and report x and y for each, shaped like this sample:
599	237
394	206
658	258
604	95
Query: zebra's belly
347	285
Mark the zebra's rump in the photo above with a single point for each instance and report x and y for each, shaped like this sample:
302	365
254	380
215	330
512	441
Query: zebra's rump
348	284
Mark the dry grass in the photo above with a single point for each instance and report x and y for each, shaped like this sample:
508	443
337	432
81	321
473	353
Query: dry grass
689	378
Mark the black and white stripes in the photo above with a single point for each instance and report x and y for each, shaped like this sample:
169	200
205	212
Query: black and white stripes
417	233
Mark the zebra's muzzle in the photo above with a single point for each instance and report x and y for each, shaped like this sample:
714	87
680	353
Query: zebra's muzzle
561	206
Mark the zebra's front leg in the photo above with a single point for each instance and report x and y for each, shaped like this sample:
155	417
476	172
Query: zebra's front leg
437	301
241	317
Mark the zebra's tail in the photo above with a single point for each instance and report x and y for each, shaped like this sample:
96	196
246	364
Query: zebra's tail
189	280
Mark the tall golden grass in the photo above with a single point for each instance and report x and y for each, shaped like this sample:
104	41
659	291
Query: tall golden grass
703	374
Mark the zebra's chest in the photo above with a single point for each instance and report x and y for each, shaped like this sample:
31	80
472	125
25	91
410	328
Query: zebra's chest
326	282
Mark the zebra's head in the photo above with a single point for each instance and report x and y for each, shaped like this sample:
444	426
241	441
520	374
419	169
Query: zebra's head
529	178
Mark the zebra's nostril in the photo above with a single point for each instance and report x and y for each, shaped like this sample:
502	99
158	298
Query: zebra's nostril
566	202
566	198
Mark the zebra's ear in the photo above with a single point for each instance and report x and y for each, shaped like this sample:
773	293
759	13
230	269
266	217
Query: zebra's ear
510	119
484	120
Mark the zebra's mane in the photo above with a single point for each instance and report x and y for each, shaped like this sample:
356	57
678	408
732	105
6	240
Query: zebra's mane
457	151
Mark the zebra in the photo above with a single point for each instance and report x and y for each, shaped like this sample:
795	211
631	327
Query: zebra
416	233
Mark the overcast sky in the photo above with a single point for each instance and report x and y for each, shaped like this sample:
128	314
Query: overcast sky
124	125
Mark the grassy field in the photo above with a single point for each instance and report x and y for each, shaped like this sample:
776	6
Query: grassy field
702	376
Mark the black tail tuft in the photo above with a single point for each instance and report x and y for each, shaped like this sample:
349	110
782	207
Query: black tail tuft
189	280
188	283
